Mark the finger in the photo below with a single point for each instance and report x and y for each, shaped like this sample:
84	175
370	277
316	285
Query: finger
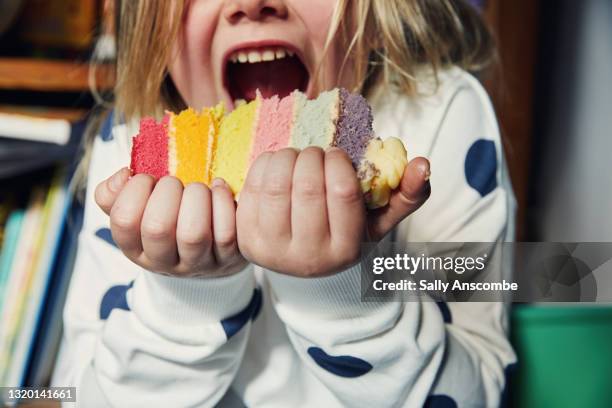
224	222
194	235
247	211
107	191
126	214
274	213
413	191
159	223
308	203
345	204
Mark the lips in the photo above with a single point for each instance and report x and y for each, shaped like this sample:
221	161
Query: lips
273	70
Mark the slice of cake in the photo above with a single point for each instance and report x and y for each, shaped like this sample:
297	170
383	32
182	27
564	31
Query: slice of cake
150	148
202	146
315	122
192	139
234	142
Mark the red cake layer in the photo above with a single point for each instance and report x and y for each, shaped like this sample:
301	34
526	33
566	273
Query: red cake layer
150	148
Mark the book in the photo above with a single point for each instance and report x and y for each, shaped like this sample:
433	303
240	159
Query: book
7	253
19	156
19	267
49	331
54	216
25	127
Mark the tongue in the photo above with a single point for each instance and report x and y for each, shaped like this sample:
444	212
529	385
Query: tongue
279	77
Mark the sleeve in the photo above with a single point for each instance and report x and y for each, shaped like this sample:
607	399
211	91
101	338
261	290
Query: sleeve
417	353
136	338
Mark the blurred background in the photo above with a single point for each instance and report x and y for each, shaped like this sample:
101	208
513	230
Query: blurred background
553	96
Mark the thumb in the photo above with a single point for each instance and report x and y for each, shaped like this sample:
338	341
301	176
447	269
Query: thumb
107	191
413	191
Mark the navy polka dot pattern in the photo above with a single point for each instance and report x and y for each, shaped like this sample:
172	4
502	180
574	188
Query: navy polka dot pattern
114	298
343	366
509	371
105	234
481	166
106	133
446	313
439	401
235	323
258	303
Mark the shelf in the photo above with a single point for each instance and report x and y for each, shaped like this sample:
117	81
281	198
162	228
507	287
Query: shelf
70	114
50	75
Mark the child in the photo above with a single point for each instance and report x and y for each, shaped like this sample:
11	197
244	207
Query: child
181	298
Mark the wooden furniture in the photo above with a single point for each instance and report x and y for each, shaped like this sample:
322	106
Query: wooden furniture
50	75
511	86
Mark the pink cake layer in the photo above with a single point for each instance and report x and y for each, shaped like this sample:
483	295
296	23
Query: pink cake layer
273	133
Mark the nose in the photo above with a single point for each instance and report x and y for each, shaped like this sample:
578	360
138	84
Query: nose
254	10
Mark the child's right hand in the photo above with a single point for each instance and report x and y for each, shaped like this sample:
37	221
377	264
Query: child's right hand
167	228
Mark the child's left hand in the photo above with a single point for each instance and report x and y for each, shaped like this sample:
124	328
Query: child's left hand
302	213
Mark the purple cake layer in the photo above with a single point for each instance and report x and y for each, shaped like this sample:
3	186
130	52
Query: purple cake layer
354	127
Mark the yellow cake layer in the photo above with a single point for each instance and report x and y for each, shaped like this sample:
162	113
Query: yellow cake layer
234	145
192	140
189	137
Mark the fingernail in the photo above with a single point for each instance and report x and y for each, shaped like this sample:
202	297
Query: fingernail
425	171
333	149
218	182
116	182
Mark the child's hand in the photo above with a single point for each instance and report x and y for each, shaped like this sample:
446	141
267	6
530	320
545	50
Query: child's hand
169	229
303	213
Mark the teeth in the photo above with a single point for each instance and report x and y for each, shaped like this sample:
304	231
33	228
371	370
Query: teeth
254	56
280	53
268	55
242	57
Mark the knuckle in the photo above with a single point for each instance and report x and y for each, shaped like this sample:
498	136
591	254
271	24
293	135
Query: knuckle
193	237
262	157
275	186
143	178
337	153
171	180
287	151
346	192
123	221
312	150
252	186
226	240
99	194
154	229
308	188
196	186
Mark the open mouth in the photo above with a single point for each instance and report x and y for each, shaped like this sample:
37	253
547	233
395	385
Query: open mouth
271	70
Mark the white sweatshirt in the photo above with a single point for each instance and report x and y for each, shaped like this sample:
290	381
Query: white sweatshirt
261	339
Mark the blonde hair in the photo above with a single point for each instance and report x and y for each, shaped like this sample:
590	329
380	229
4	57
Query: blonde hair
387	42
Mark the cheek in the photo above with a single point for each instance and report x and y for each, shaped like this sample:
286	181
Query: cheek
190	66
316	16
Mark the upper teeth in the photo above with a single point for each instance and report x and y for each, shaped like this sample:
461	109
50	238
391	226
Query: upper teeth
259	55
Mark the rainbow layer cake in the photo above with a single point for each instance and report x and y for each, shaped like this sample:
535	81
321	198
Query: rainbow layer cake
202	146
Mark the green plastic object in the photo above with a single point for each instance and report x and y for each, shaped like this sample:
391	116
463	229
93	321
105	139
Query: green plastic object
565	356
